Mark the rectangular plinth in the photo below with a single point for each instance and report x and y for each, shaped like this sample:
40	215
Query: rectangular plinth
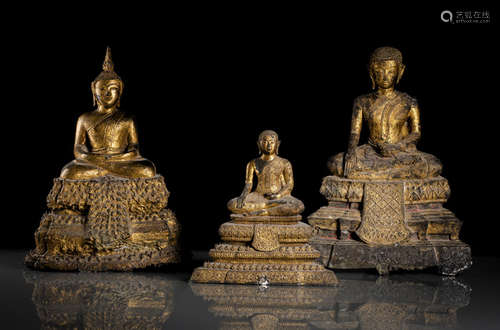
450	257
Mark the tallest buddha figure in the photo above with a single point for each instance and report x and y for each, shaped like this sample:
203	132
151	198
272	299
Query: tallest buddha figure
393	121
106	140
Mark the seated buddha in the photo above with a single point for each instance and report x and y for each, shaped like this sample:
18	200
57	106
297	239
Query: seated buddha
393	122
106	141
272	196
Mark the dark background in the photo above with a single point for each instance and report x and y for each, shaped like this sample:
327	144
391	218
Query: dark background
203	82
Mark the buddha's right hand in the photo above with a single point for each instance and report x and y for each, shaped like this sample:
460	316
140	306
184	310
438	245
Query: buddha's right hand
349	161
241	201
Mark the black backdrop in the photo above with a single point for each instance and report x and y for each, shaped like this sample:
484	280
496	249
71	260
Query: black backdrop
203	84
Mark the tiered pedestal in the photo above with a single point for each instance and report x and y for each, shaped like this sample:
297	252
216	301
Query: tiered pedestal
433	239
104	224
266	250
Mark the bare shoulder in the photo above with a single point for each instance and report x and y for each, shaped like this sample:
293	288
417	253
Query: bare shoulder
252	162
85	118
364	100
284	162
409	100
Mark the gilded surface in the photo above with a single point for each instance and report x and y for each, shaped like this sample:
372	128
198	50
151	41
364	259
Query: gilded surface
265	241
272	196
106	141
417	191
393	122
107	210
386	192
383	220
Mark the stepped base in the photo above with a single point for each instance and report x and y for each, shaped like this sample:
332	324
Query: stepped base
292	265
221	273
449	257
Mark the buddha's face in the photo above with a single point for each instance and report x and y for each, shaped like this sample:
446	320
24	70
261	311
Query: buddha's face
268	144
385	73
107	92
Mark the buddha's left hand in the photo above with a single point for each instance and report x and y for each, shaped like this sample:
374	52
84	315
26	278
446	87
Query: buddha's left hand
273	196
390	149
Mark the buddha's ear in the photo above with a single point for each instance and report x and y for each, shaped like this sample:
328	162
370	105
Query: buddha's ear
259	147
372	76
401	70
278	146
121	93
92	87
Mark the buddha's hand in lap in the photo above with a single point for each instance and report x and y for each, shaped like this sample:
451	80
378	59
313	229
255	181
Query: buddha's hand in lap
272	196
390	149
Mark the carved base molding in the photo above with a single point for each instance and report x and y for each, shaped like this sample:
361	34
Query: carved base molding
106	224
449	257
270	250
233	273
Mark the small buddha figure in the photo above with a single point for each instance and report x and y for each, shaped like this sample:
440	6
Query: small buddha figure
265	242
393	122
272	196
106	140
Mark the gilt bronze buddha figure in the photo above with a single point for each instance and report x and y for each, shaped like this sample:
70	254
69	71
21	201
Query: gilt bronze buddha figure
272	195
106	141
386	197
393	121
265	241
108	209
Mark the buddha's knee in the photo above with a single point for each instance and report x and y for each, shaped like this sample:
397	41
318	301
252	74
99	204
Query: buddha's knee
135	169
293	206
148	171
231	205
145	169
336	164
75	171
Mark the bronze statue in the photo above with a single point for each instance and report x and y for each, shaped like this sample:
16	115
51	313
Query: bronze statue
106	141
265	242
393	122
108	209
272	195
385	197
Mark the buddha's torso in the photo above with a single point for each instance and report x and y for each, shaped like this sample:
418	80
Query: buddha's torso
386	117
270	175
107	134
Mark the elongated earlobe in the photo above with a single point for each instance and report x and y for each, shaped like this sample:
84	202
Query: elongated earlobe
92	87
277	146
120	96
372	78
258	146
400	73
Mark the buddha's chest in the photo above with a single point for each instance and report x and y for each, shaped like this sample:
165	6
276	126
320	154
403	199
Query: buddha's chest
386	115
110	133
269	175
